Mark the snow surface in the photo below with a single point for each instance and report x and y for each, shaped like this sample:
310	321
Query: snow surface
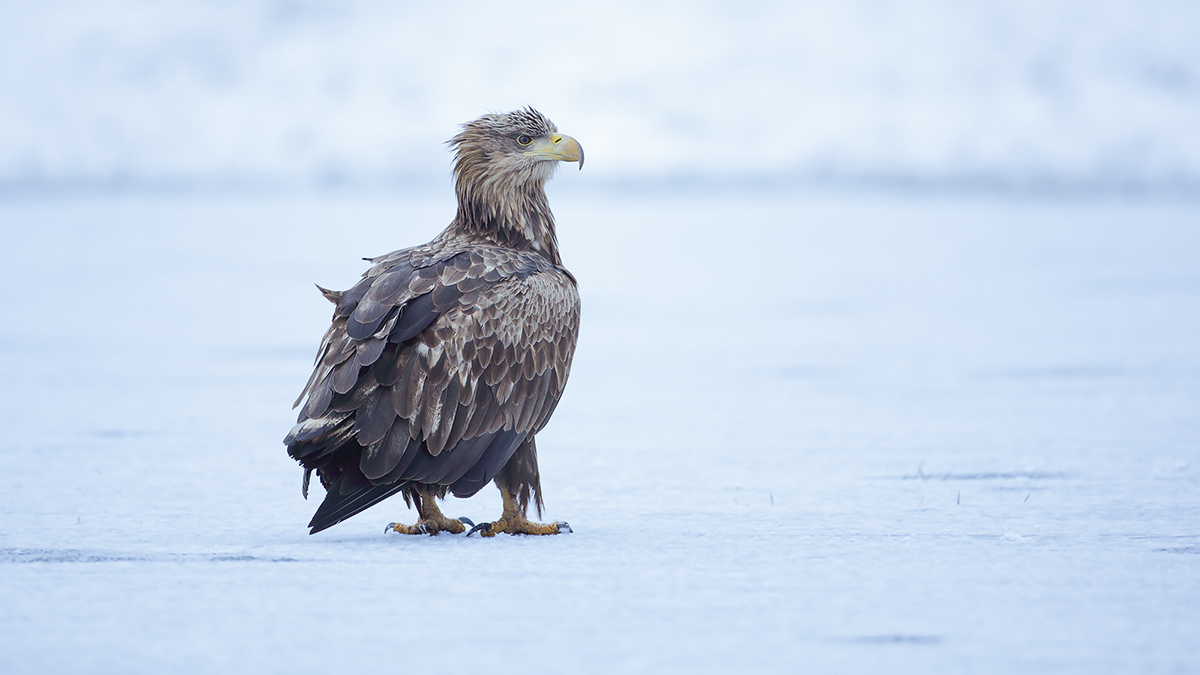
805	432
1015	93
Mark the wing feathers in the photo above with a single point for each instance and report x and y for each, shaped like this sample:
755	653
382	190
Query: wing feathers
345	374
499	451
373	419
369	351
382	458
390	365
414	318
319	398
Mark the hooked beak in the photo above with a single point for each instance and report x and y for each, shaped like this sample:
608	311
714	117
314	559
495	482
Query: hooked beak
558	147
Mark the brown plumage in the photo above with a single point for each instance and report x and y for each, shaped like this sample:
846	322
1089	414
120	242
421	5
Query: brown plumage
446	359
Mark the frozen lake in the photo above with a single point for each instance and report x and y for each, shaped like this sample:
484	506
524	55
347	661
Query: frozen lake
818	432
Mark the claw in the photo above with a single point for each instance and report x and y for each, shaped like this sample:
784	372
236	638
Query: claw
390	527
482	527
467	521
424	529
563	526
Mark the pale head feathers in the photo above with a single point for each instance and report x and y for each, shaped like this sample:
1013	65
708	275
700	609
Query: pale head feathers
501	191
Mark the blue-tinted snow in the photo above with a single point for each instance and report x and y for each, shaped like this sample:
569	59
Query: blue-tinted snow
819	431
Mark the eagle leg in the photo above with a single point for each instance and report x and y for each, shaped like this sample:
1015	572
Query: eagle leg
513	521
431	520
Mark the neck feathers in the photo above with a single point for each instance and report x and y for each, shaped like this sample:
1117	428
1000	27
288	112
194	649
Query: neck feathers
506	210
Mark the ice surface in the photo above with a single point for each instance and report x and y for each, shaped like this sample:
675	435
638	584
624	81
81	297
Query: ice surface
1014	93
808	432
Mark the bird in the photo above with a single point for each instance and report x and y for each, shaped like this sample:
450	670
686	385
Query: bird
446	359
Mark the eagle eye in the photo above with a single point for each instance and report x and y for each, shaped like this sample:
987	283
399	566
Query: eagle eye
524	140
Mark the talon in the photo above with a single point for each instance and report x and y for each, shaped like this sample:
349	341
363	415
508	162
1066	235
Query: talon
390	527
467	521
563	526
423	528
482	528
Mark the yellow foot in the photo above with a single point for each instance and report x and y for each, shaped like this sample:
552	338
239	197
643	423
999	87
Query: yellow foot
431	526
518	525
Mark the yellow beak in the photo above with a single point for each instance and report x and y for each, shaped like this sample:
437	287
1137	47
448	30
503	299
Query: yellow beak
558	147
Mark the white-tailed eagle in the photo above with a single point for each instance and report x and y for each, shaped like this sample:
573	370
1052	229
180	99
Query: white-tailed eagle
446	359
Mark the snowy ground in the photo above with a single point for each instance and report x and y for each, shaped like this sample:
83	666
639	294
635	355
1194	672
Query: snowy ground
812	432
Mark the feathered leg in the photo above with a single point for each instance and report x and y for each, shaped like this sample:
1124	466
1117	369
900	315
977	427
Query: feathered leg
431	521
519	482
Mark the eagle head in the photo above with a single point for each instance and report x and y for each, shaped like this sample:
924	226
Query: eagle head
502	152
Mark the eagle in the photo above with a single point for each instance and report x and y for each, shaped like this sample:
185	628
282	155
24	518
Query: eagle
446	359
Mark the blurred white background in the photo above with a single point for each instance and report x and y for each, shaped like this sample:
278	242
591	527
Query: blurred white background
999	94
